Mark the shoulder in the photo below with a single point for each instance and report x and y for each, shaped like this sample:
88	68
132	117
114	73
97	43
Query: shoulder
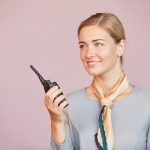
144	101
76	100
75	96
142	94
141	97
141	100
76	92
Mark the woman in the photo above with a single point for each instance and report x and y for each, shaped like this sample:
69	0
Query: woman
110	113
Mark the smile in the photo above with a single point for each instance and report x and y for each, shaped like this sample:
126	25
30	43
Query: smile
92	63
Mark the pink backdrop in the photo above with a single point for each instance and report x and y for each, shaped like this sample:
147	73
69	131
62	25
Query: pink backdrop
43	33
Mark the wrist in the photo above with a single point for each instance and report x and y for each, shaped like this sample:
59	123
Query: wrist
57	119
57	124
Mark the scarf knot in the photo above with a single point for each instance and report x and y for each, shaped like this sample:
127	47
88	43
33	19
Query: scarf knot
106	102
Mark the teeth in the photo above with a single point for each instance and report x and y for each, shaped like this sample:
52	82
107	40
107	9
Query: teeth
92	63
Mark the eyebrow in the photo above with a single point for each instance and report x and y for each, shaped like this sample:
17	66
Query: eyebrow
92	40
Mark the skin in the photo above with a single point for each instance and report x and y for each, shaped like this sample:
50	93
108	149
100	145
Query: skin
56	113
98	46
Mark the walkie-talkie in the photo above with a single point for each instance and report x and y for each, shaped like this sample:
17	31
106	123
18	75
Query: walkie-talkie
47	84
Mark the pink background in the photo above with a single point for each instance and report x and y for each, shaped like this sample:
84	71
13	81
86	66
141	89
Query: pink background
43	33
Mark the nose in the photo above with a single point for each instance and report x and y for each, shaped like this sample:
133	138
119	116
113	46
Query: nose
91	51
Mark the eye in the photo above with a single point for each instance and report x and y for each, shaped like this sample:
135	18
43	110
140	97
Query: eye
98	44
81	46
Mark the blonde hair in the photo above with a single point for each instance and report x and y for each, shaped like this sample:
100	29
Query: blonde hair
108	22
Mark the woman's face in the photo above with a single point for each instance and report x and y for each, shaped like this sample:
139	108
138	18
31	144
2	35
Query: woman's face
98	50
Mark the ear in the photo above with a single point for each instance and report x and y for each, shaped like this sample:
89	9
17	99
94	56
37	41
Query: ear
121	47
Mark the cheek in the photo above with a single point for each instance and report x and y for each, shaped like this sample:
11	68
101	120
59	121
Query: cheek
82	55
110	55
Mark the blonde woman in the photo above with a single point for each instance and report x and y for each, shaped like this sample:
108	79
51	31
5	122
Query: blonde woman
109	114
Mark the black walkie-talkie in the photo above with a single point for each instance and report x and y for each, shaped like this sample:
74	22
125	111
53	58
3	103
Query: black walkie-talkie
47	84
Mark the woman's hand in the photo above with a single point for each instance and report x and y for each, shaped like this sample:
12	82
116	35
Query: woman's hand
54	105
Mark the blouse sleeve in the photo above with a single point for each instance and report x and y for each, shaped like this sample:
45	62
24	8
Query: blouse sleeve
71	140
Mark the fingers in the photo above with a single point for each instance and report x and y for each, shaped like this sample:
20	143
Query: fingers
53	93
56	98
56	94
52	90
60	102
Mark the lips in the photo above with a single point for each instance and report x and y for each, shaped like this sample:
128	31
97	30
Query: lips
92	63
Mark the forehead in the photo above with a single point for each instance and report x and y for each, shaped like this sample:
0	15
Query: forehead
93	32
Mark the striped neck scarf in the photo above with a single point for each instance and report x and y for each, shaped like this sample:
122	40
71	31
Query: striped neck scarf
104	137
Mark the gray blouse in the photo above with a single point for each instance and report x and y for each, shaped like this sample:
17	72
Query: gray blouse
130	119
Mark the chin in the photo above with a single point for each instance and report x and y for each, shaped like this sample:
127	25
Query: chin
99	70
95	72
